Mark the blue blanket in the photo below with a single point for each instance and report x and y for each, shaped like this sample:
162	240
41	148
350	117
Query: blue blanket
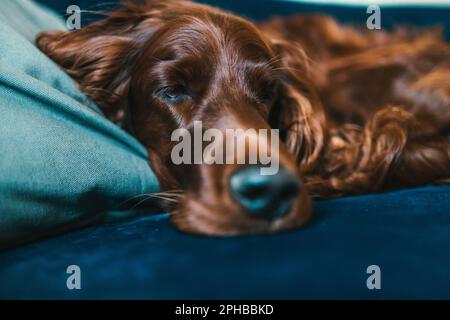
406	233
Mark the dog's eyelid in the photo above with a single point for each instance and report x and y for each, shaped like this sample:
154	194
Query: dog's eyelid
173	94
268	90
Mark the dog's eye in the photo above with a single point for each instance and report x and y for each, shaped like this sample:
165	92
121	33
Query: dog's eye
267	95
268	91
173	94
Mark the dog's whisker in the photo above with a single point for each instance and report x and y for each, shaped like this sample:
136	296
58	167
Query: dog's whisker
102	4
171	195
167	194
150	197
140	202
99	13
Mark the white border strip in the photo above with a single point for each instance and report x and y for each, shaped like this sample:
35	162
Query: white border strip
365	3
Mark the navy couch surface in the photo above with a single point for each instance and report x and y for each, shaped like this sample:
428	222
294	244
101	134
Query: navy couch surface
406	233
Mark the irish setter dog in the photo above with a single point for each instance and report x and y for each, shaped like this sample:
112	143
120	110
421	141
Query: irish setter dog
358	111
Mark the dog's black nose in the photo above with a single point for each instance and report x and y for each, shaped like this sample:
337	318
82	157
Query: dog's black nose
267	196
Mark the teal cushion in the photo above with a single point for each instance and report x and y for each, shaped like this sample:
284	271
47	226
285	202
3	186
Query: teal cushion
62	163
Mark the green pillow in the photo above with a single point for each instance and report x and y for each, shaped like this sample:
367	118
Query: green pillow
62	163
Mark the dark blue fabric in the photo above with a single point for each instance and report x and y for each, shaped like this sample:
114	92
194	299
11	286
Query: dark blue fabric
263	9
406	233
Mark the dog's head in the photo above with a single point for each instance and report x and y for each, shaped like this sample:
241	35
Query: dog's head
168	65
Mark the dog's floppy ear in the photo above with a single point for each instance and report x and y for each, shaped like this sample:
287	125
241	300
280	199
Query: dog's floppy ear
298	112
100	56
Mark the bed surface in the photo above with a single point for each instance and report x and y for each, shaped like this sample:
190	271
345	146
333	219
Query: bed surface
406	233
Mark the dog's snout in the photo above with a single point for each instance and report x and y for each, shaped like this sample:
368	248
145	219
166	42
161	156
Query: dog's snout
266	196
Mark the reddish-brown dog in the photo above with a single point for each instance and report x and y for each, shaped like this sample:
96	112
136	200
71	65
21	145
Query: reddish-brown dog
358	111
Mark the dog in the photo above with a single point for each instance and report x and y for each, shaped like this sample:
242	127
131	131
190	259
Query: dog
358	111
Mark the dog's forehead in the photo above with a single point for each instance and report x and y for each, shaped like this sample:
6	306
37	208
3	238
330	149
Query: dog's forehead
216	35
210	49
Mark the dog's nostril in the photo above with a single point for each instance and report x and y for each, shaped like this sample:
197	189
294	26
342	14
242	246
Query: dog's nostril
254	192
290	189
267	196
